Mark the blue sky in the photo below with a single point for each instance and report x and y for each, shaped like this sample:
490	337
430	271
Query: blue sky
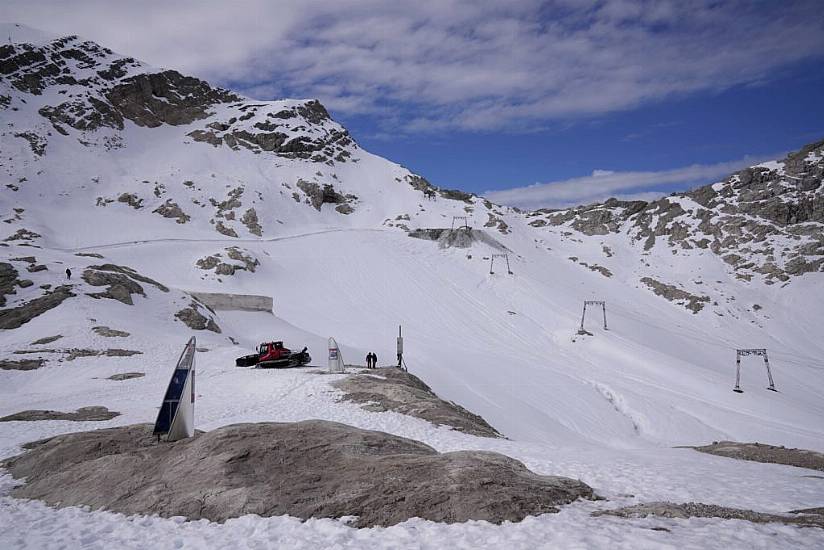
538	103
740	126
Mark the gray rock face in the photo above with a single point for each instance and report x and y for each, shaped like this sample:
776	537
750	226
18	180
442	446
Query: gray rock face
405	393
121	281
110	332
193	319
674	294
83	414
310	469
456	195
165	98
250	220
759	452
8	281
47	340
120	376
698	510
17	316
320	195
763	221
23	364
325	142
171	209
214	262
131	199
120	287
223	230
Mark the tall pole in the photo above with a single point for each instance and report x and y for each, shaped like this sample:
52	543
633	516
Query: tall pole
400	348
769	374
604	307
583	315
737	388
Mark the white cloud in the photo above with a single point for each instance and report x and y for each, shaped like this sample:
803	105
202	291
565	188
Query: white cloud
442	64
603	184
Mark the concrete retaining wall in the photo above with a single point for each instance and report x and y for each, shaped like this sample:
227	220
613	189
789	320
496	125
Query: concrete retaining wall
235	302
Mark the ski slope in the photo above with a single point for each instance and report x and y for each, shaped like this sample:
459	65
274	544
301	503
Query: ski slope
608	408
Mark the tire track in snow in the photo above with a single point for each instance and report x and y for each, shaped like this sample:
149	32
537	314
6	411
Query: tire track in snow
108	246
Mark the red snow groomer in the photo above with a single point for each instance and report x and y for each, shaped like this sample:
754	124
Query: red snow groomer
272	355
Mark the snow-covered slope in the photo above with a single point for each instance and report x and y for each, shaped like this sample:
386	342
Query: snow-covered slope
107	163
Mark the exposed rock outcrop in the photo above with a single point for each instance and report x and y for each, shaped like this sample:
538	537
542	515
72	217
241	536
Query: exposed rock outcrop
760	452
110	332
195	320
120	376
672	293
8	281
310	469
171	209
391	389
23	364
698	510
17	316
121	281
83	414
765	221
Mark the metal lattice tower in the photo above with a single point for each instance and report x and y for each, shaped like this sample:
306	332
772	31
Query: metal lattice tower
459	218
492	262
744	352
601	303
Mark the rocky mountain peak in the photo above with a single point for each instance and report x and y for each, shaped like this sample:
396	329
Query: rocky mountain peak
765	221
80	88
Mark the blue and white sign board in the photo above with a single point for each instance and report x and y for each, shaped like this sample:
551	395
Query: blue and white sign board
176	418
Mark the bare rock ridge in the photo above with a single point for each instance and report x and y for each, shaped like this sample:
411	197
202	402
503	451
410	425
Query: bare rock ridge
802	518
121	88
760	452
83	414
391	389
765	221
310	469
15	317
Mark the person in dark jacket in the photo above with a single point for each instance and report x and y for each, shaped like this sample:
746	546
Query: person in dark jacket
68	273
374	360
369	360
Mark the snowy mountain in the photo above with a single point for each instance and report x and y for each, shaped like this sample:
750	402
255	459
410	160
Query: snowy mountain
150	186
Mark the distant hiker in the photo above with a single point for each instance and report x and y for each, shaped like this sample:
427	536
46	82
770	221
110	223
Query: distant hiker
374	360
68	273
369	360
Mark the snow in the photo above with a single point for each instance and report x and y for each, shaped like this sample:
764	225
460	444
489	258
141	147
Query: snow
608	409
22	34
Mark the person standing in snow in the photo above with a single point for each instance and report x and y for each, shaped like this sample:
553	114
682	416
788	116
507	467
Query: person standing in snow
374	360
369	360
68	273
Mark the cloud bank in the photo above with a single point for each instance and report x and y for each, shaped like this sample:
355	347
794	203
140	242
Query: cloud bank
434	65
603	184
